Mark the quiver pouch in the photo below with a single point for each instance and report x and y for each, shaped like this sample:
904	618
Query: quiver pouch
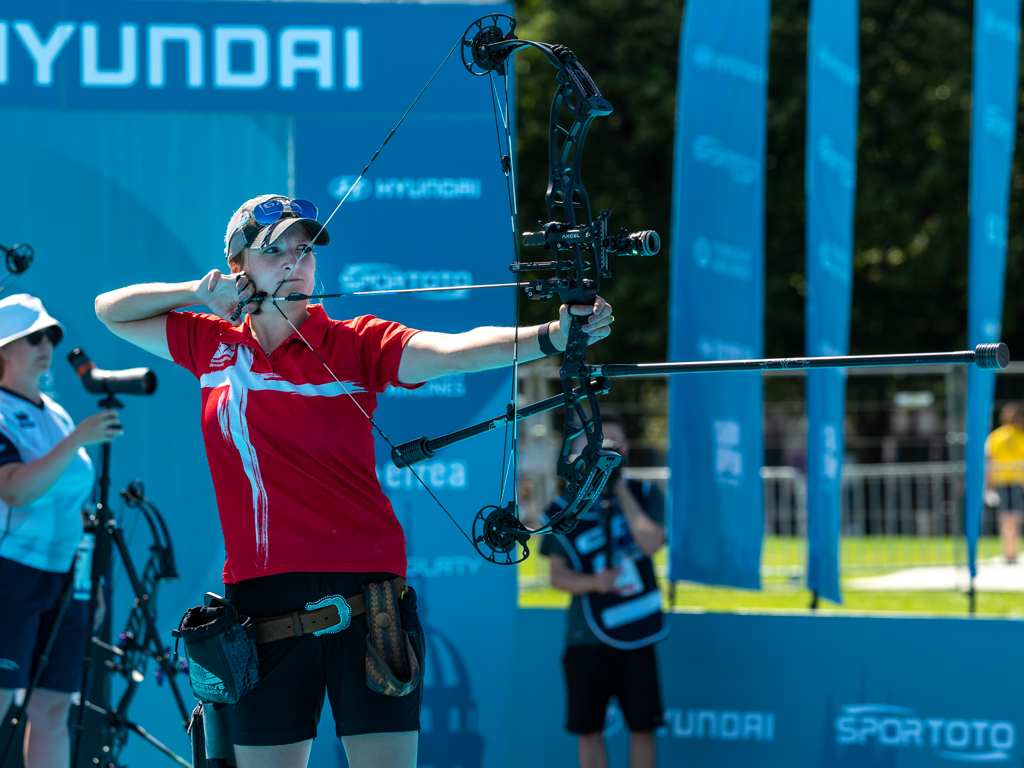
391	664
220	648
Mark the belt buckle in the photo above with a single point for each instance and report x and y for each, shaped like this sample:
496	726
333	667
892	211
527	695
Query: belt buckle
344	613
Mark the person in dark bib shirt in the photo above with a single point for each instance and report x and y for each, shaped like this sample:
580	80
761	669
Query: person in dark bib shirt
615	618
286	395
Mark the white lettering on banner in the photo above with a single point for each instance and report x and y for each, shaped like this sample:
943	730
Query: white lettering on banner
728	452
453	385
126	74
352	38
258	41
994	24
996	227
743	169
830	460
161	34
720	349
836	162
963	740
724	258
294	55
404	189
705	57
436	474
833	64
388	277
43	54
996	123
3	52
724	725
293	61
835	261
459	565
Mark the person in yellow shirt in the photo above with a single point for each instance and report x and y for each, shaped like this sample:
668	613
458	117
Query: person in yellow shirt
1004	459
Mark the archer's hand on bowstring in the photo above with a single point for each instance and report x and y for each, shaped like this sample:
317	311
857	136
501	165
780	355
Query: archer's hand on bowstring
597	320
223	293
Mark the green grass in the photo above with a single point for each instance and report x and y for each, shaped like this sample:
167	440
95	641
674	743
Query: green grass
783	589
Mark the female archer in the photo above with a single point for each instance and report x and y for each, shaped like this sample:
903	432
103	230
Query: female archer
286	398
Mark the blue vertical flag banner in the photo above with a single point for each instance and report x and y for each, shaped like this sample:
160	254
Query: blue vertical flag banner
717	310
833	74
993	125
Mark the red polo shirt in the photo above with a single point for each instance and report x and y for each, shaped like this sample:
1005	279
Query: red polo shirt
290	454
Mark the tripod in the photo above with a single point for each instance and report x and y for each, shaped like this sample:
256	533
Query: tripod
139	642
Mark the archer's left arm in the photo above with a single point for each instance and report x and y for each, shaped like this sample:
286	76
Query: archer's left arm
429	355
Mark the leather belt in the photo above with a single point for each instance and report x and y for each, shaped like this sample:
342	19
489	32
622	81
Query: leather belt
299	623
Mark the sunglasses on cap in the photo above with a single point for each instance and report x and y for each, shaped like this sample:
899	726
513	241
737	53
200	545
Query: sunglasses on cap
53	333
268	212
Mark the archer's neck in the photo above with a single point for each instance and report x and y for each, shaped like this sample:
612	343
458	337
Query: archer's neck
270	329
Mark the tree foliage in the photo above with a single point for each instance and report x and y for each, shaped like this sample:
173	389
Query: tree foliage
911	226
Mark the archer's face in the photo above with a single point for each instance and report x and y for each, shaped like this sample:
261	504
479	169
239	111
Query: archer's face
283	260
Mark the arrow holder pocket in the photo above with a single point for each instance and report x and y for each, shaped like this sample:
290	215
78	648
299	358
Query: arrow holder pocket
220	649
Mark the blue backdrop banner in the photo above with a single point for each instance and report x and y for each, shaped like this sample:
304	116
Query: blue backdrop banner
993	127
718	291
833	72
126	159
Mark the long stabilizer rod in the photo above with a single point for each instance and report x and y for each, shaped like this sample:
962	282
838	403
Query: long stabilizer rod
987	356
991	357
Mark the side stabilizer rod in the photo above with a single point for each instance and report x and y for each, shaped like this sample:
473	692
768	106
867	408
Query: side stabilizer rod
415	451
991	357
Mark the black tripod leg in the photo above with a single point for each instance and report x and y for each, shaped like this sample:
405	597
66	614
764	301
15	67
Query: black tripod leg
17	719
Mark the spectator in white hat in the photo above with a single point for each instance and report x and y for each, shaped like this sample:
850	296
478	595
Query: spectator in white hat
45	478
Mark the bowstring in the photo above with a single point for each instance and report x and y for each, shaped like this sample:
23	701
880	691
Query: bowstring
309	249
510	457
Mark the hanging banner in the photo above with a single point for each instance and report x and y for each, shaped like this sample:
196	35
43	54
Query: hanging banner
993	125
833	73
718	291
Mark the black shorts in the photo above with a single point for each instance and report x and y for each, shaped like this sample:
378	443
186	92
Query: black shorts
30	599
1011	498
285	706
595	673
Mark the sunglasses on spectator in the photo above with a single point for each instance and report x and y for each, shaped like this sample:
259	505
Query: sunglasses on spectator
53	333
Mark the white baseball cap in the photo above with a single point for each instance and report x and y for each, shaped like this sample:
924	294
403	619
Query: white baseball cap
20	315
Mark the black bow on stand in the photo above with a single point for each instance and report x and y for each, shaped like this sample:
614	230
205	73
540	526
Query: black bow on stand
579	248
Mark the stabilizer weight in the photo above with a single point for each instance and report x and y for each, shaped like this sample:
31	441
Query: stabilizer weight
407	454
992	357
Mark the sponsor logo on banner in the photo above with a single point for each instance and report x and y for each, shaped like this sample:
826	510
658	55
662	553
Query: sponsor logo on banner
438	475
835	261
830	461
443	565
722	725
996	228
705	57
728	452
741	168
833	64
724	258
388	277
996	123
453	385
721	349
405	188
835	161
962	740
243	56
994	24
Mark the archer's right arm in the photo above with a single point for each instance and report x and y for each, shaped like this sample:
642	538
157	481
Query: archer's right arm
138	313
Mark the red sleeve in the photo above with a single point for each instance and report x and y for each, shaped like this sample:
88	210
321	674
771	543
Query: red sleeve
187	334
381	343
